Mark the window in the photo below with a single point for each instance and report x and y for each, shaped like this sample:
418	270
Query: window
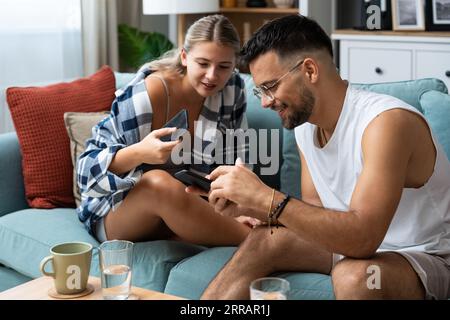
40	43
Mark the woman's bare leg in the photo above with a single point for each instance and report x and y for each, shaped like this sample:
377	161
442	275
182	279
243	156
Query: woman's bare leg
158	207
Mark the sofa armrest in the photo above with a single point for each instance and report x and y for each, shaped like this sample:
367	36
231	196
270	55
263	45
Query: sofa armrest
12	190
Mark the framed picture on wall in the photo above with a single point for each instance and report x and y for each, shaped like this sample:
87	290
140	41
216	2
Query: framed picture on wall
438	15
408	15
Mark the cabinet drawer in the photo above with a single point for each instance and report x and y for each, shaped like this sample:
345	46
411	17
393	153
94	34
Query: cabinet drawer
433	64
370	65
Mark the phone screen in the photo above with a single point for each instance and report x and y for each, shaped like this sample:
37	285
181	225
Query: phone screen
180	121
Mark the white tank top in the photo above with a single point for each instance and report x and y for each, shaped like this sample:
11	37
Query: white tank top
422	219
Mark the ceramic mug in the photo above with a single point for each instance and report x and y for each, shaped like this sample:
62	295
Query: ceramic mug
71	263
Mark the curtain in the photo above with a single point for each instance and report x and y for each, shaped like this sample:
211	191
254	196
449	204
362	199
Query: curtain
130	12
40	43
100	42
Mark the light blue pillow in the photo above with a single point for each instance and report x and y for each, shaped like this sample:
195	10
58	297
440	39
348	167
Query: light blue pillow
436	108
290	169
123	78
408	91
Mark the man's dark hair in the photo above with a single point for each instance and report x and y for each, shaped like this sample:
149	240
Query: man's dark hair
285	36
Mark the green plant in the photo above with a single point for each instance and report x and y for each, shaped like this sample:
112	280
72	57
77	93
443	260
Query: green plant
138	47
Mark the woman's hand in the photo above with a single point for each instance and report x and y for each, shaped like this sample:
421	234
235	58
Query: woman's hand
152	150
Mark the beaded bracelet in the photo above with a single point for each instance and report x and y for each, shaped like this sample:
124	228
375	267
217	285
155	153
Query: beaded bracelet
283	204
277	212
269	218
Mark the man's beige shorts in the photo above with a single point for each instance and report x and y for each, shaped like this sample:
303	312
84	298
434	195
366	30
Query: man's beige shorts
433	271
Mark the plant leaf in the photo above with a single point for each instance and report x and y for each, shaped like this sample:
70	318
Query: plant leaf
138	47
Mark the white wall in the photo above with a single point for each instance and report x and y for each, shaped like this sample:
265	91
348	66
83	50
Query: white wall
159	23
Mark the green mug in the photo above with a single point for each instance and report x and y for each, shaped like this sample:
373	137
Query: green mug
71	262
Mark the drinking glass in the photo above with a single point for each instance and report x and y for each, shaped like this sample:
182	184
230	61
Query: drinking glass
116	258
269	288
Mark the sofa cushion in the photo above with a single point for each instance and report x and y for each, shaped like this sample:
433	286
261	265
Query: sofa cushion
308	286
268	125
123	78
290	174
27	236
191	276
10	278
408	91
12	192
37	113
436	108
79	129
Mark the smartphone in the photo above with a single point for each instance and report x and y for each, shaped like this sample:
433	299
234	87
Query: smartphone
191	178
180	121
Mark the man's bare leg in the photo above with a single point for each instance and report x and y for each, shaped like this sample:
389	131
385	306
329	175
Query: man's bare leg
261	254
158	208
398	280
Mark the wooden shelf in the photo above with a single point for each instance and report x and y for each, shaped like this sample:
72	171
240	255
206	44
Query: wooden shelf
392	33
260	10
246	20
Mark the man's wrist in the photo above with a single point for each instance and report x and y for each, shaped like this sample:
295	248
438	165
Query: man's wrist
279	196
277	199
267	202
277	208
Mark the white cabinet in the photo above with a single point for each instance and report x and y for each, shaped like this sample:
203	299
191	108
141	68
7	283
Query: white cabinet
379	65
434	63
383	56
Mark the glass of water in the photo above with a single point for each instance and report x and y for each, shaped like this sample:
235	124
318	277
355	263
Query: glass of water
116	259
269	288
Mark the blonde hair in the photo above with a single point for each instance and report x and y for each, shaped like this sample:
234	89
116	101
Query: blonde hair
215	28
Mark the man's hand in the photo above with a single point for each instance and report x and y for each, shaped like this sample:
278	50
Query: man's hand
240	186
236	191
249	221
221	206
196	190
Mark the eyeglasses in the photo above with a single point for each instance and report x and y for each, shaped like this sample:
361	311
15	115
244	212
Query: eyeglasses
261	90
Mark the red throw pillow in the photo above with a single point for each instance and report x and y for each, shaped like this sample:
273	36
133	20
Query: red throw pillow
38	116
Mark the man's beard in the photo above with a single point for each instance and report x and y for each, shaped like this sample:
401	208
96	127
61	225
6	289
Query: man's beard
300	114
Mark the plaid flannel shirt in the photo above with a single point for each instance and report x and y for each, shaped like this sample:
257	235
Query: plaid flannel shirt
129	122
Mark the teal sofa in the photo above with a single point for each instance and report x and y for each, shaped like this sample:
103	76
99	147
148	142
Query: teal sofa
26	234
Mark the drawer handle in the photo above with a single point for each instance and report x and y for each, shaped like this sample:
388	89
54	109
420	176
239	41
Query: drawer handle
378	70
447	73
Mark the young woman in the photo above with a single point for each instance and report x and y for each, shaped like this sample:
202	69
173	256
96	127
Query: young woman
125	174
